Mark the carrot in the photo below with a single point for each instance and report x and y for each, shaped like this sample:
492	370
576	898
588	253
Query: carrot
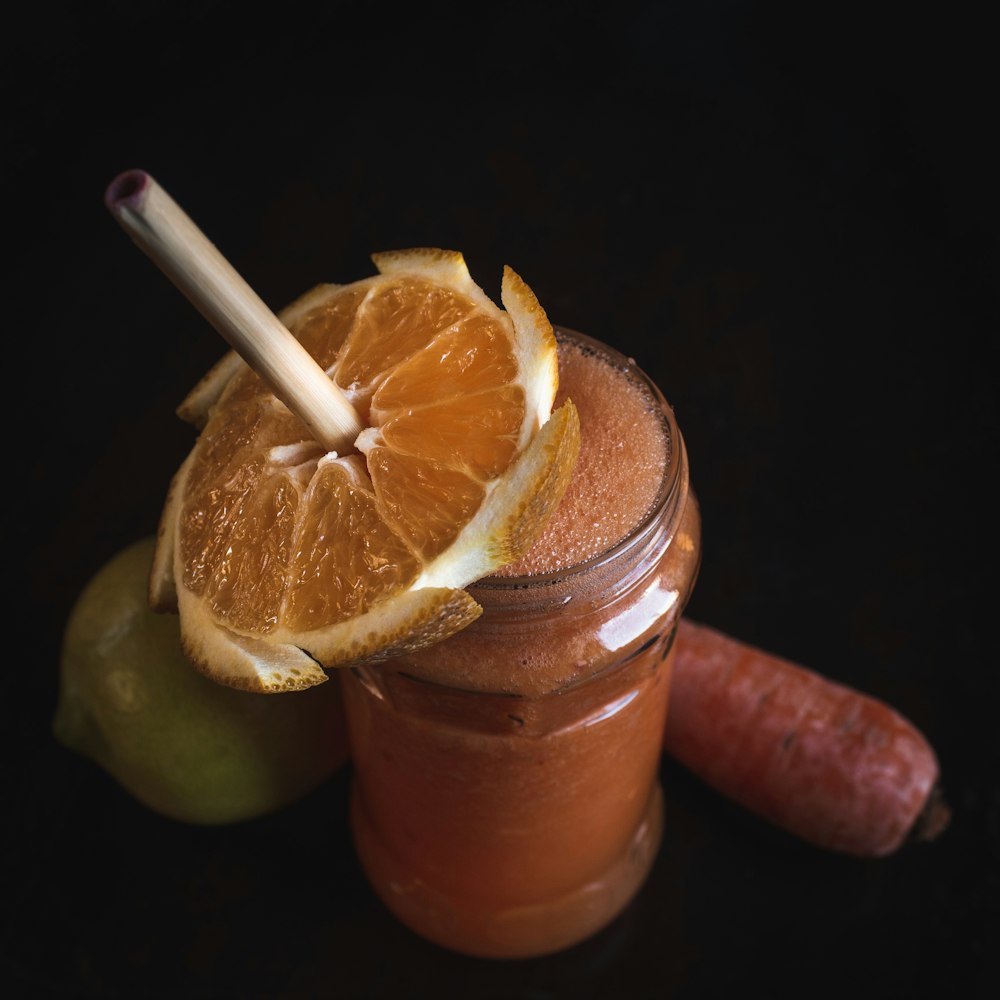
822	761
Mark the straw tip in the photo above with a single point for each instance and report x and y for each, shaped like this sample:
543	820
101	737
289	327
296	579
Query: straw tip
127	190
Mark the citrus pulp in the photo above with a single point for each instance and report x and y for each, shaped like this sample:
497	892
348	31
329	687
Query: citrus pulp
284	560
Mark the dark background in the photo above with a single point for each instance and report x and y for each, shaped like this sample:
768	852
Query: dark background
788	220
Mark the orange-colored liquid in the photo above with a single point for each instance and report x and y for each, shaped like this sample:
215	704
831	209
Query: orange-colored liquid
506	800
624	448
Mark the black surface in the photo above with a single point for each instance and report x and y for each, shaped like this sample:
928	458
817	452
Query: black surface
790	222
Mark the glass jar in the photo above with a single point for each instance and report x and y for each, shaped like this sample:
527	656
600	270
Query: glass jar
506	800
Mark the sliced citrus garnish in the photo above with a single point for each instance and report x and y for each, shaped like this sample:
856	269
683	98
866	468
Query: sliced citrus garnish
283	559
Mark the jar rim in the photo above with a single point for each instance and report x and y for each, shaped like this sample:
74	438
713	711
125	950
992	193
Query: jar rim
667	493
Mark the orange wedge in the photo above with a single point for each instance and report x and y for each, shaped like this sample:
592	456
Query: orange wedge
284	560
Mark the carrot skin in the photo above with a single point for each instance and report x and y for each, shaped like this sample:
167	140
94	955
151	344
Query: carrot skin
822	761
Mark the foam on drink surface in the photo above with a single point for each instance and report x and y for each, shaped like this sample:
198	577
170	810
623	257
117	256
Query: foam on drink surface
623	451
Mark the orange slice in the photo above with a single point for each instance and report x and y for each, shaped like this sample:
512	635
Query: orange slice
284	560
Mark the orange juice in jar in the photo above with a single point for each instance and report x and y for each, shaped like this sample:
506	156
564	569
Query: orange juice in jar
506	800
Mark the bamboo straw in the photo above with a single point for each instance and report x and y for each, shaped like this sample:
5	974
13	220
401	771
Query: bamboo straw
164	232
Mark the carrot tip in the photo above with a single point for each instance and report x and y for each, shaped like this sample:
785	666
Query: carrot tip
934	818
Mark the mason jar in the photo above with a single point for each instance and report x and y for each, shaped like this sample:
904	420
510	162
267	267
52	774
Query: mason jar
505	792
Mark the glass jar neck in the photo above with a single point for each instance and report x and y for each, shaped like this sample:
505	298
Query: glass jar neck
604	578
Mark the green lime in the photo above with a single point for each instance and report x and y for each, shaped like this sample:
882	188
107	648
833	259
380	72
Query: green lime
186	747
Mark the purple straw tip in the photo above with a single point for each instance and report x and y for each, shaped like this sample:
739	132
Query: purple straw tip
127	190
